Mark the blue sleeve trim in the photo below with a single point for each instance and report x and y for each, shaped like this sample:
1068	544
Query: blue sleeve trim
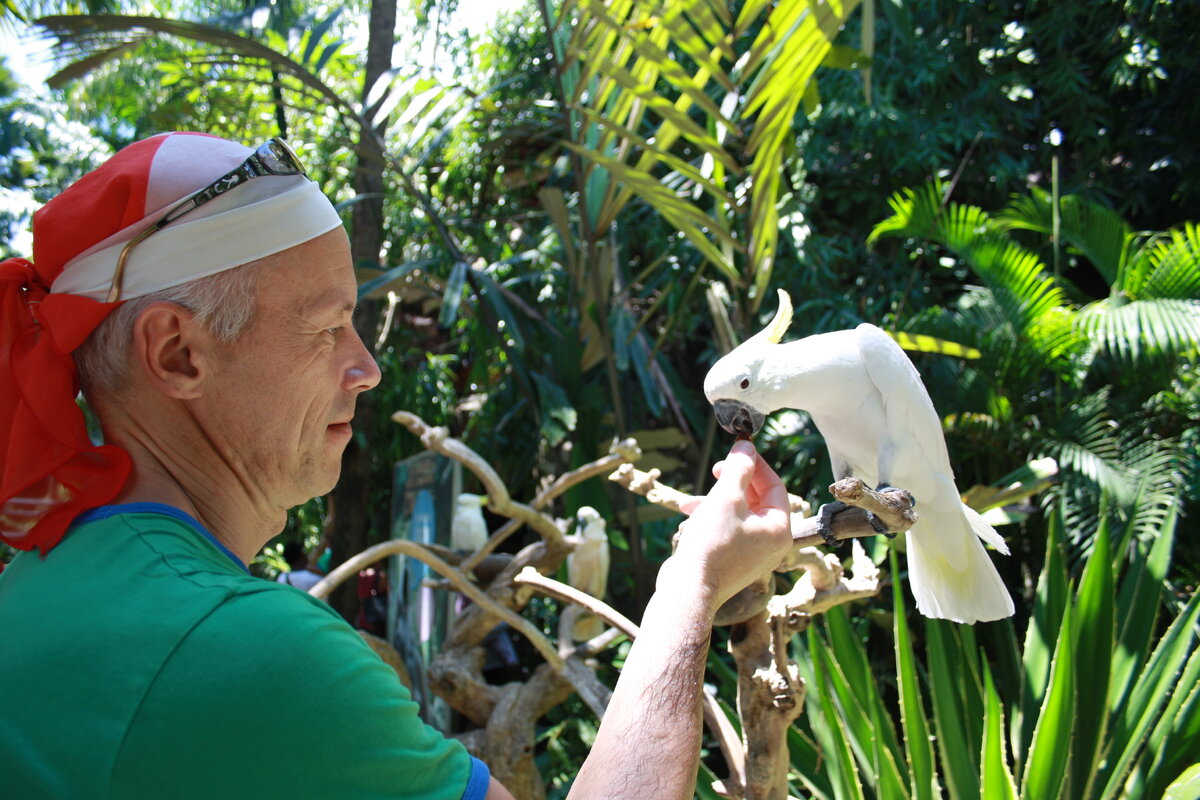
481	779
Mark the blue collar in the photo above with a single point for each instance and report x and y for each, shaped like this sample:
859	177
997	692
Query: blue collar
104	512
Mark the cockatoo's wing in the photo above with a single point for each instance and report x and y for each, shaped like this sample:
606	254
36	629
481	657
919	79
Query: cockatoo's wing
907	404
950	573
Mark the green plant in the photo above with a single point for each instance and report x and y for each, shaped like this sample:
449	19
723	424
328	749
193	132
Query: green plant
1100	703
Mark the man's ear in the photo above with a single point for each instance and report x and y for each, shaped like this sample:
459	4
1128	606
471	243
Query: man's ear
170	348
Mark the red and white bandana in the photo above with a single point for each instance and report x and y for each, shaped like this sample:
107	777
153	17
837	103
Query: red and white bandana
50	470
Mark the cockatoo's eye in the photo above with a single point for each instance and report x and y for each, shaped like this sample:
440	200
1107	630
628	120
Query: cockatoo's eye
745	384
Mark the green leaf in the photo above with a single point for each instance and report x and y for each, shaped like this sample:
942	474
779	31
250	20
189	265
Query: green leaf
1137	609
379	285
841	56
1155	686
952	710
1050	602
921	343
1095	634
1046	769
917	741
867	720
452	296
828	729
995	780
1186	786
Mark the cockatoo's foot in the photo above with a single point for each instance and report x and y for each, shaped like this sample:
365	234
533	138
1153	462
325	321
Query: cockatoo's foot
878	525
825	522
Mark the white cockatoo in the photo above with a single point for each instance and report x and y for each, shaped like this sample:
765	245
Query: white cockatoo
468	530
587	567
879	425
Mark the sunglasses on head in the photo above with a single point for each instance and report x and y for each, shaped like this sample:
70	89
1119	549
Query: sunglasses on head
273	157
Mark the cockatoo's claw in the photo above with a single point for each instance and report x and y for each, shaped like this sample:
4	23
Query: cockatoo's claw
825	522
878	525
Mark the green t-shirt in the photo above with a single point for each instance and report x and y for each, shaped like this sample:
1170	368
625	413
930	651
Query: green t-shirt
139	659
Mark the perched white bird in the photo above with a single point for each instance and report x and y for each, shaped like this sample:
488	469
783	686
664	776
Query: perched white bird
587	568
880	426
468	530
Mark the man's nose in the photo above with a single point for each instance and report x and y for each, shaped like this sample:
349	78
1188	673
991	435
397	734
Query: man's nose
363	374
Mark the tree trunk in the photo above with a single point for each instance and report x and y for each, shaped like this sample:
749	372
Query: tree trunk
352	497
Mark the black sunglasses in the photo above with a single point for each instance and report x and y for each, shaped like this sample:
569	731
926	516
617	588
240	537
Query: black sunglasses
273	157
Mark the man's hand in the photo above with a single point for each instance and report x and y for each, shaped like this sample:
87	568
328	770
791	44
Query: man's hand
738	532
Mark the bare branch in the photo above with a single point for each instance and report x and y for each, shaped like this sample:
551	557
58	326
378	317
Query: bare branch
622	452
402	546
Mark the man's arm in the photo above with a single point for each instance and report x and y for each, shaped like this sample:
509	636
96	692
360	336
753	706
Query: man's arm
649	742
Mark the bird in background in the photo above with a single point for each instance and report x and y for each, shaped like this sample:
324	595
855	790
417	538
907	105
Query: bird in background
587	567
468	530
879	425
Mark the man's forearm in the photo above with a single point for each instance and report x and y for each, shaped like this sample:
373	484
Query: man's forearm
649	742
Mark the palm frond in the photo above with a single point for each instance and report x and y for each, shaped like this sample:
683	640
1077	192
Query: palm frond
1139	329
94	34
1097	232
1167	266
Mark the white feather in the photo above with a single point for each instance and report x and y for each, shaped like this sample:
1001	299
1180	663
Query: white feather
879	424
468	529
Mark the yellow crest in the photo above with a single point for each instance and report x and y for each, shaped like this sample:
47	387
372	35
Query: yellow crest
779	324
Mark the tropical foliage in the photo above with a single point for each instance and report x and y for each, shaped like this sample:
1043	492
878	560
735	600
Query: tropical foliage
584	207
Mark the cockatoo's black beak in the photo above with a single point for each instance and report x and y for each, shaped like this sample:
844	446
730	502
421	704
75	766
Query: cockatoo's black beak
738	418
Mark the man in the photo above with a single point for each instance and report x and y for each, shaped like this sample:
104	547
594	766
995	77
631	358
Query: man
205	291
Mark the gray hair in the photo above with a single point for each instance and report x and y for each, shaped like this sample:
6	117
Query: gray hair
223	302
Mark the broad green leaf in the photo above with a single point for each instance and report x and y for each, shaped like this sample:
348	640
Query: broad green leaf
452	297
494	295
917	741
1186	786
808	763
555	205
828	729
1048	762
951	711
995	780
921	343
1095	634
379	285
1050	602
1137	609
872	736
1173	269
1152	690
1175	740
678	211
70	28
843	57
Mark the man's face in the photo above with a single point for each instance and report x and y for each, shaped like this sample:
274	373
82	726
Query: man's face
283	394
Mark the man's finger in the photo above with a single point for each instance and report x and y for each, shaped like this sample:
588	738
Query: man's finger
767	487
737	470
